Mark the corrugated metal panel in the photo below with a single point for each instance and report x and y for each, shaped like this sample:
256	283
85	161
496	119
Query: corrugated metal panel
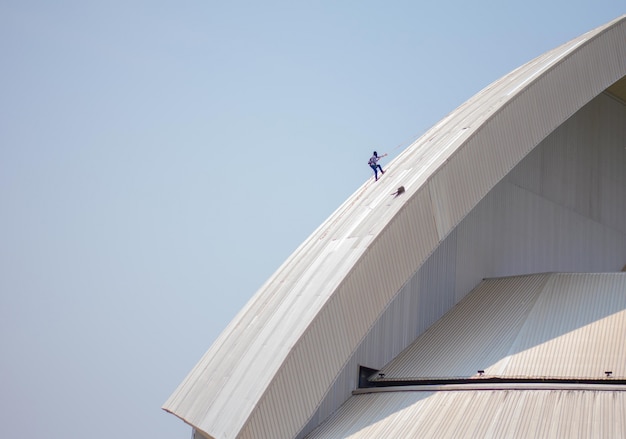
515	231
612	159
428	295
618	89
480	414
336	273
576	329
475	334
515	129
547	326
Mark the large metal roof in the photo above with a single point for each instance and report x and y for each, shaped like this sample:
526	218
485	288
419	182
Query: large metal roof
272	367
548	338
566	326
548	413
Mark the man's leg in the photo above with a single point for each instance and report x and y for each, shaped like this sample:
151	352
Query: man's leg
375	169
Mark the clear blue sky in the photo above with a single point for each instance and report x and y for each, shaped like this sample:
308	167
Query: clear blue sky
160	160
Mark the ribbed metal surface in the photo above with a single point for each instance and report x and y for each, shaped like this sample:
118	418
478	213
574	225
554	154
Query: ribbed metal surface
480	414
576	329
537	326
484	325
277	361
422	300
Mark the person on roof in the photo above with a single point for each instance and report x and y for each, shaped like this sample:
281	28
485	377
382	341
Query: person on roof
373	162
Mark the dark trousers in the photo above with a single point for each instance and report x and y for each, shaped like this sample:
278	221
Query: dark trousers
376	168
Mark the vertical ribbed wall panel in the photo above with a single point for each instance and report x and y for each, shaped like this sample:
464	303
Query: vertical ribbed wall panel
428	294
436	286
505	138
611	140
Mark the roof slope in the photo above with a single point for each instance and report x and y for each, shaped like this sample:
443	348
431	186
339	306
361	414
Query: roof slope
513	414
310	316
538	326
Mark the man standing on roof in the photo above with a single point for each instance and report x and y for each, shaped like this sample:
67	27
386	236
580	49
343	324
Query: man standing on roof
373	162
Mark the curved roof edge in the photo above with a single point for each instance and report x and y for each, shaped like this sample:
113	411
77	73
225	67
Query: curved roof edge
301	327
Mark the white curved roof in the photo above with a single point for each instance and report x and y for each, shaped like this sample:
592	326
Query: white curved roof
555	334
271	368
543	412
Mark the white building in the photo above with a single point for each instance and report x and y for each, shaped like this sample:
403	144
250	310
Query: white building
503	255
